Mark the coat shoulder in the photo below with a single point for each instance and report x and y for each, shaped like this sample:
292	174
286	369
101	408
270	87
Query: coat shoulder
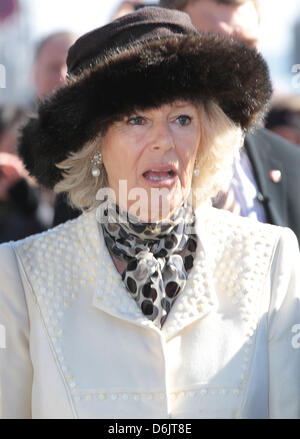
243	252
7	259
53	245
224	219
63	232
278	146
54	260
230	230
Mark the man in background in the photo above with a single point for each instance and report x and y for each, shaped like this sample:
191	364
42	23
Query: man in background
126	7
49	73
266	178
284	118
11	118
236	18
18	195
50	69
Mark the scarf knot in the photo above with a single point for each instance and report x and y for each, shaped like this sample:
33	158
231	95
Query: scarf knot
158	256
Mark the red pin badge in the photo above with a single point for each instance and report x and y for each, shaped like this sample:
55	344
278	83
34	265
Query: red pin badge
275	175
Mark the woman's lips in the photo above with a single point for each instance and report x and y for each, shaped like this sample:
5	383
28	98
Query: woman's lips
160	178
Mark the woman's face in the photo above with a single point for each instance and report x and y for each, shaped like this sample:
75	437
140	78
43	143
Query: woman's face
153	151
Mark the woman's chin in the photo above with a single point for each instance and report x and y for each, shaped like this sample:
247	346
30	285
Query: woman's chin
158	209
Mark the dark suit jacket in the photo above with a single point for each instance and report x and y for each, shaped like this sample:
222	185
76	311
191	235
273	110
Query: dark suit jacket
281	200
18	215
63	211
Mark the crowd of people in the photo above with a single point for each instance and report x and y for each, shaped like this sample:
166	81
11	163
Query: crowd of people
25	206
177	89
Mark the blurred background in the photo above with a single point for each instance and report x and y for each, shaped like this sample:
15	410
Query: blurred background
23	23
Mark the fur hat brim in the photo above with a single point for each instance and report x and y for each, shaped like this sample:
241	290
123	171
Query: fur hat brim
198	68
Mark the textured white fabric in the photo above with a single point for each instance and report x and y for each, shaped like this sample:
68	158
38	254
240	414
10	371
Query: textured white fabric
78	346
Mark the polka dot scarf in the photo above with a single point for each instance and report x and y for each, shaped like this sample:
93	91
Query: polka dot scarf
159	257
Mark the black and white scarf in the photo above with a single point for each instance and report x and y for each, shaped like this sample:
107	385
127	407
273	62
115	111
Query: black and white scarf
158	255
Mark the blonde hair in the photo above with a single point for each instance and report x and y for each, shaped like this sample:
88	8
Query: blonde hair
219	145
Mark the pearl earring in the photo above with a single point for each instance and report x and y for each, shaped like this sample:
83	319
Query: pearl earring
196	170
96	162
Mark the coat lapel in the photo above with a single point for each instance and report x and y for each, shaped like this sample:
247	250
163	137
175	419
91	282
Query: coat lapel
111	296
263	164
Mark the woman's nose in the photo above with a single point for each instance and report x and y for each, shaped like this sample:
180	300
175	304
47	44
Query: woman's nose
162	138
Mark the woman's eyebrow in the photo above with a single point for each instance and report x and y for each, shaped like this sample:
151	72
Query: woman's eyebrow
181	105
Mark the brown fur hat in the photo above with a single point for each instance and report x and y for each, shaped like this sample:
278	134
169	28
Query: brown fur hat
151	57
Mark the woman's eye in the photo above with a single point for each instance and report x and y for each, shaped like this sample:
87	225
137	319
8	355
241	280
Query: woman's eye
136	120
184	120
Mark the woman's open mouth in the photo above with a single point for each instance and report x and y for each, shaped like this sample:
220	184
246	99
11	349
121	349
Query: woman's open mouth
159	177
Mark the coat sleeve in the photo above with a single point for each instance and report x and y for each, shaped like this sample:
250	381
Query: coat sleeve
284	329
15	364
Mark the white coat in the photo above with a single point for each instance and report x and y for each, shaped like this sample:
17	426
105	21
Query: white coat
78	346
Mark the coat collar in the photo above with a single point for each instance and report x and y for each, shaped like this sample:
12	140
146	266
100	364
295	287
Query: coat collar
111	296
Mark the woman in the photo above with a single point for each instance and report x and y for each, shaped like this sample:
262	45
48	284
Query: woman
142	308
